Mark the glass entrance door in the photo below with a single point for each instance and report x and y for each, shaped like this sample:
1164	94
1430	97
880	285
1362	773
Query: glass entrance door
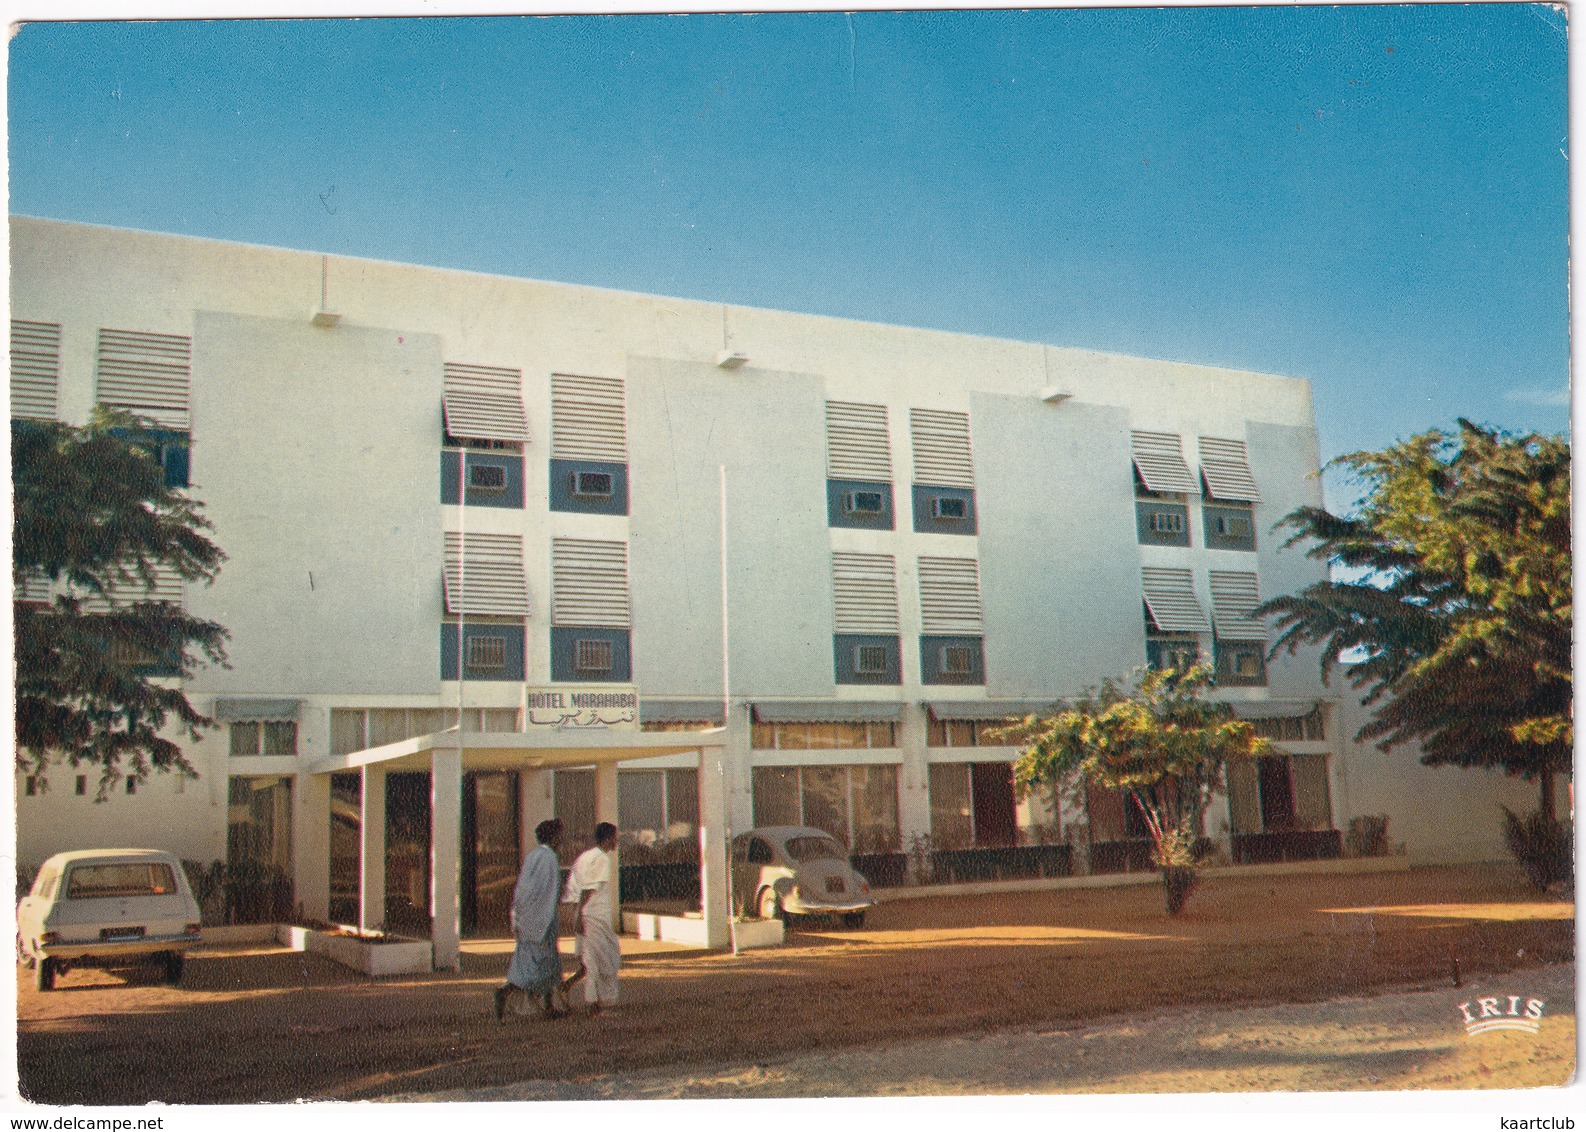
490	851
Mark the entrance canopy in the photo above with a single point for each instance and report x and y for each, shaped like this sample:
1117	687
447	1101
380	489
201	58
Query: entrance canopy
516	750
440	755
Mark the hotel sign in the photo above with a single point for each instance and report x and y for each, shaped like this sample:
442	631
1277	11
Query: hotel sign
589	705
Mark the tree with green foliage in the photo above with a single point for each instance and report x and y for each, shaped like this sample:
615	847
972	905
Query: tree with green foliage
98	677
1450	604
1161	742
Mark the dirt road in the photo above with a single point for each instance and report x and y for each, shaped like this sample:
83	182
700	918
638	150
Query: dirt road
1407	1041
269	1024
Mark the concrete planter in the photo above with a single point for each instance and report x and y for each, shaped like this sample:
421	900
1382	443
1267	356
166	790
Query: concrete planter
689	930
375	957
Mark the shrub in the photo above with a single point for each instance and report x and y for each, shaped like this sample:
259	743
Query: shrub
1544	846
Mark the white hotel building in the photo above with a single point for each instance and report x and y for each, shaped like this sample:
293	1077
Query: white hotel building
925	533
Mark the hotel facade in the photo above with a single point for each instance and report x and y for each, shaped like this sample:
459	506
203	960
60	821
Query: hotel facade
563	491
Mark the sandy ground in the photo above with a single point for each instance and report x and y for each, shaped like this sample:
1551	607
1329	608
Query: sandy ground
1405	1041
269	1024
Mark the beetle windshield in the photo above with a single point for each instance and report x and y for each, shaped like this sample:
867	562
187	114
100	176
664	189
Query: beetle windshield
803	849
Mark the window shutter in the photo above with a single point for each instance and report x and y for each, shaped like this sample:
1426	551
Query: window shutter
941	448
31	588
1235	595
146	374
865	591
1170	599
857	446
950	596
484	403
589	583
1226	466
167	585
485	576
35	369
1159	457
588	419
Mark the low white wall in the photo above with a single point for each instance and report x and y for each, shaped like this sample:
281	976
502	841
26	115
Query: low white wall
1443	814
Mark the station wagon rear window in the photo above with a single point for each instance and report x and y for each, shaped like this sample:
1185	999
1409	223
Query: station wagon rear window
87	881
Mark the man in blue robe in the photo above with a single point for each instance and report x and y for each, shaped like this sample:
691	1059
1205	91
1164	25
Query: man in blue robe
536	968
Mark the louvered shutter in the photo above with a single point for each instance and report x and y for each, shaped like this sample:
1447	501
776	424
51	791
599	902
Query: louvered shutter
865	591
1235	595
588	419
857	446
167	585
1170	599
32	588
589	583
485	575
942	455
146	374
950	596
484	403
1226	466
1159	458
35	369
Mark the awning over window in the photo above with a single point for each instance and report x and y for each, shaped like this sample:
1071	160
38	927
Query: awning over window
255	710
857	444
1170	599
865	592
484	575
941	448
977	710
35	369
146	374
681	711
1275	709
32	588
828	711
1159	457
589	583
949	596
1226	466
484	403
1235	595
588	418
165	585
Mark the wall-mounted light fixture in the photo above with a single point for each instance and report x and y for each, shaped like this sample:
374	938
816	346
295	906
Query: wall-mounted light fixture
731	359
1055	395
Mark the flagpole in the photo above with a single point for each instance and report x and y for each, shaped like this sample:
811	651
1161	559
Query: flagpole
726	712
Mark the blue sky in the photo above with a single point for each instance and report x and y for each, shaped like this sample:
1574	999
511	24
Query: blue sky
1373	198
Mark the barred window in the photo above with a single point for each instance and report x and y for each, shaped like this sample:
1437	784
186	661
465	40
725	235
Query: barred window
592	656
487	652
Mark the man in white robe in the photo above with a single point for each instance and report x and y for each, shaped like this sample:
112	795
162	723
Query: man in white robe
591	885
536	968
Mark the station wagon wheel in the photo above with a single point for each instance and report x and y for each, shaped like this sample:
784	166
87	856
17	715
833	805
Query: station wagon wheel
853	919
173	967
771	906
44	974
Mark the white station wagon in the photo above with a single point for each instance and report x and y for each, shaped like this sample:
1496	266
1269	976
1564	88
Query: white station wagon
113	908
